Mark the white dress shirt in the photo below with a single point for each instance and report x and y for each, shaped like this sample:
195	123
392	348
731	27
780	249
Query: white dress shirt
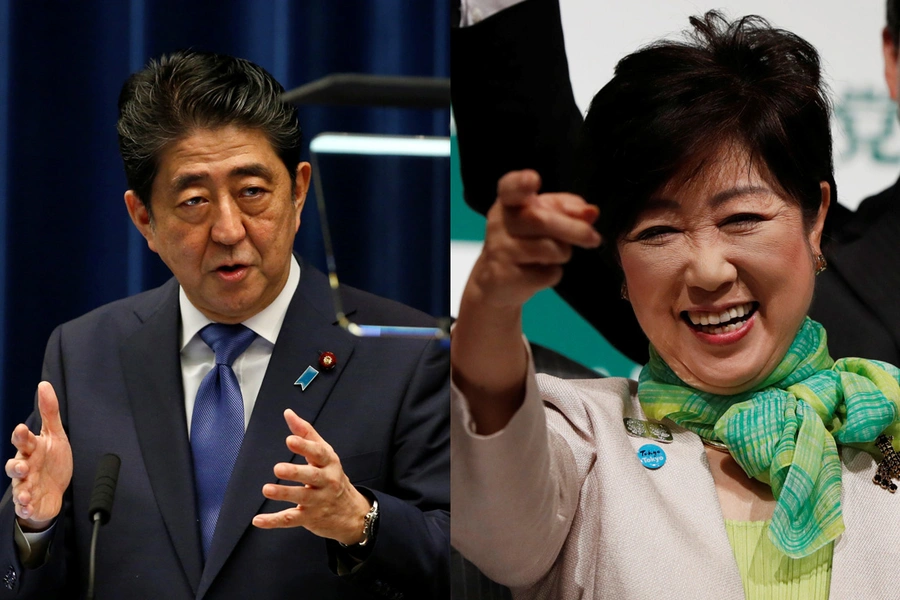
197	359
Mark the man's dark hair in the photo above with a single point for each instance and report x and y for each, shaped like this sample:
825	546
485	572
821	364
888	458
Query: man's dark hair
189	90
673	105
893	20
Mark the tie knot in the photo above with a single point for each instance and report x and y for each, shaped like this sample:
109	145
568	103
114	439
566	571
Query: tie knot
227	341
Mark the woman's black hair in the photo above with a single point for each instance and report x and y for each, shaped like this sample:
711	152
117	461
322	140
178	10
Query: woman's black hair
673	105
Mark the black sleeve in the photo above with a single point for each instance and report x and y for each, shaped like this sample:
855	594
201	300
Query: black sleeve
512	101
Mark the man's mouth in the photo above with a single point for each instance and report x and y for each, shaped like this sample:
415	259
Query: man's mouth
232	273
230	268
717	323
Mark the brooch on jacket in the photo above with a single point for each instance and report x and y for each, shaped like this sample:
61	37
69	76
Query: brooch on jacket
889	466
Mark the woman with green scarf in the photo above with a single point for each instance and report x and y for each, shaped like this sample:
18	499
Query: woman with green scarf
746	462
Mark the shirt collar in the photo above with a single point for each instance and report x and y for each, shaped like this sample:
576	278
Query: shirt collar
266	323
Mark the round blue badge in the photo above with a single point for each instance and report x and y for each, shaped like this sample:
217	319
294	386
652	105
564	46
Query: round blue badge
651	456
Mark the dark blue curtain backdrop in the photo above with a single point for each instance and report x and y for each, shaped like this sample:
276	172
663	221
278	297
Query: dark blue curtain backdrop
66	243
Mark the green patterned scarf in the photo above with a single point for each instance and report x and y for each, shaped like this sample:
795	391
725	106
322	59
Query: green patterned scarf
785	431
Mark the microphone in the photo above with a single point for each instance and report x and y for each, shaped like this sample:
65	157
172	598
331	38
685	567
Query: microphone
101	506
104	488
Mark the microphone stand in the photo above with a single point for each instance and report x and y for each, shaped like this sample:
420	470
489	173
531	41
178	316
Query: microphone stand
101	507
92	564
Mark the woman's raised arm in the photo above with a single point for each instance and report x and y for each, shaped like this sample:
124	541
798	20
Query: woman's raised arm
529	237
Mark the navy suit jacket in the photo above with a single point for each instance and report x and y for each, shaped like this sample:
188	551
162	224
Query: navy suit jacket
384	408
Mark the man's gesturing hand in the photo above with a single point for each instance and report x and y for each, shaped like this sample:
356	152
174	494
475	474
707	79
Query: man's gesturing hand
42	468
326	502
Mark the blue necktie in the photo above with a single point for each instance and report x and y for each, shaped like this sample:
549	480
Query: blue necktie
217	425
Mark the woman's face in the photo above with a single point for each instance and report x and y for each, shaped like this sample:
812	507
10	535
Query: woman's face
720	273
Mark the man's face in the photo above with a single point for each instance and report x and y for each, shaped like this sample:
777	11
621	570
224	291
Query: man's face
225	212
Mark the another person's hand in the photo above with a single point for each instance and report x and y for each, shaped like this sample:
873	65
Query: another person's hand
42	468
529	237
326	502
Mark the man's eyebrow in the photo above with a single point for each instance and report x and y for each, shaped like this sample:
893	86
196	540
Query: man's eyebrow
182	182
186	180
253	170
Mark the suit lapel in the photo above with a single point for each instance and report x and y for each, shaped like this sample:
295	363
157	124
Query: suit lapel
152	372
866	555
307	331
876	245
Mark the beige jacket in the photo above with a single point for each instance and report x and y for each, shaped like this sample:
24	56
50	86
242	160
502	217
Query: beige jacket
557	506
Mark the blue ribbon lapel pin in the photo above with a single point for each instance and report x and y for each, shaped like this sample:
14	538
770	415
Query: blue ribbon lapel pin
304	380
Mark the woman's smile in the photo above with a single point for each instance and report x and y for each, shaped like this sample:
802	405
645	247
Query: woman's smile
722	326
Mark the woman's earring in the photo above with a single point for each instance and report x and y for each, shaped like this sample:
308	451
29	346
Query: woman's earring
624	291
821	263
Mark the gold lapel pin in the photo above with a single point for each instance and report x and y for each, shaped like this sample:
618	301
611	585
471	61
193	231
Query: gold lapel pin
327	360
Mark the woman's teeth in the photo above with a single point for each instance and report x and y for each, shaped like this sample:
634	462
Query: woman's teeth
722	322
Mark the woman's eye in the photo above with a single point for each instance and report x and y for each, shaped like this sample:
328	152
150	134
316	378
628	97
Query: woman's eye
654	234
742	220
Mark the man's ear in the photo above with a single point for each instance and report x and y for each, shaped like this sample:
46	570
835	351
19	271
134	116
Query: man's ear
301	188
141	217
815	234
889	49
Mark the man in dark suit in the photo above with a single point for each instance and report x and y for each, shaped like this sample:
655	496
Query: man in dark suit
265	451
856	299
514	109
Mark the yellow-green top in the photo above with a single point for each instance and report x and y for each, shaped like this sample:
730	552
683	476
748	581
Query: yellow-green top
770	575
